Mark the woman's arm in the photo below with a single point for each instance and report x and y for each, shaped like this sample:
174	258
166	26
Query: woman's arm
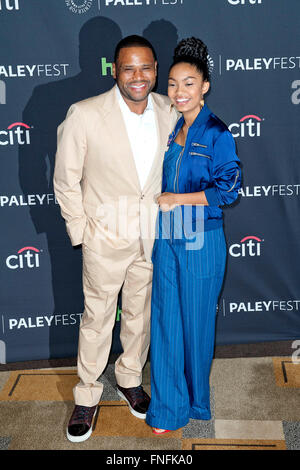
226	180
167	201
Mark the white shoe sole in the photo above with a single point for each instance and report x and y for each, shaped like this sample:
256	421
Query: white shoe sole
85	436
132	411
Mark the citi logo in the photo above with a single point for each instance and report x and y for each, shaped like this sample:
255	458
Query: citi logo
27	257
16	133
248	126
248	246
9	5
245	2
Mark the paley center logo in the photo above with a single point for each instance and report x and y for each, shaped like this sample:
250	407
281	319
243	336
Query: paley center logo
79	6
248	126
9	5
248	246
26	257
16	133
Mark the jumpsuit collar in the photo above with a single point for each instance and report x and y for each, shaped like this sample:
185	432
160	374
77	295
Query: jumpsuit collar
200	119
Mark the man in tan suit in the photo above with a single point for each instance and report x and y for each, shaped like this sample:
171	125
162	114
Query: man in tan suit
108	170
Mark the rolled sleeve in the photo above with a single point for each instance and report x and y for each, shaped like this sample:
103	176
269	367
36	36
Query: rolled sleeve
226	172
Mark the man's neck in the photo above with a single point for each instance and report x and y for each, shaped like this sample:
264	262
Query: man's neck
136	107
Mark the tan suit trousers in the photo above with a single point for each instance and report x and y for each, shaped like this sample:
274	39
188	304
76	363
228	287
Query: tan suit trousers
103	277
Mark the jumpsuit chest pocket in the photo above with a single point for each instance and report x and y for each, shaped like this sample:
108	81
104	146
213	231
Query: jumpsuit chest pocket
200	150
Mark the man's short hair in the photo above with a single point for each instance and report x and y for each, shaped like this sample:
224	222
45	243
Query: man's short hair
133	41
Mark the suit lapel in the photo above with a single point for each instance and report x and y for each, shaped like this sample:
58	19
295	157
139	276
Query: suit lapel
122	149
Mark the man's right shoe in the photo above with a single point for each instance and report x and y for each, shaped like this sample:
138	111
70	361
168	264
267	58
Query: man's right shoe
80	425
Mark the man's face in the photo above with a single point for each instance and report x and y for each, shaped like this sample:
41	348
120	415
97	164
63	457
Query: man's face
135	72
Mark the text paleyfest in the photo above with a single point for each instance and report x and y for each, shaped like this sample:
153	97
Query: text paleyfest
264	306
65	319
140	3
20	200
39	70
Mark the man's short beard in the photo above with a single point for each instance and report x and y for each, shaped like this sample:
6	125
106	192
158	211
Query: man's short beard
127	94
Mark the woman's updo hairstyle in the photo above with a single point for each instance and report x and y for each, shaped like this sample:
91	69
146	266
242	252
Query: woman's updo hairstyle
193	51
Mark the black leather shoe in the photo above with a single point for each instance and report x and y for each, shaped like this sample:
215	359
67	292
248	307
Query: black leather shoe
138	400
80	425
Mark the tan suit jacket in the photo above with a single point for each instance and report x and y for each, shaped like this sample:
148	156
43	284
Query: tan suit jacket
96	181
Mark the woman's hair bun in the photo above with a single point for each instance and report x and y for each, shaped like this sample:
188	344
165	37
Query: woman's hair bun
193	51
191	47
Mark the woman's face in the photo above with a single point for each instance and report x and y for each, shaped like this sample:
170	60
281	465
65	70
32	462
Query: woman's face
186	89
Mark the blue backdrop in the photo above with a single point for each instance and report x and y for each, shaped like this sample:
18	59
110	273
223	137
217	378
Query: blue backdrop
56	52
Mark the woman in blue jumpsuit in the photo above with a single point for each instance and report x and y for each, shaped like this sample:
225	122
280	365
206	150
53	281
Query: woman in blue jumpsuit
200	174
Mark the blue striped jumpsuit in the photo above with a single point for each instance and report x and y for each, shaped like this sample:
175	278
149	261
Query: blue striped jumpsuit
189	256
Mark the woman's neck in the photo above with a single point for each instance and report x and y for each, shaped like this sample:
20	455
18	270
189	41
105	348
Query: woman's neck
190	117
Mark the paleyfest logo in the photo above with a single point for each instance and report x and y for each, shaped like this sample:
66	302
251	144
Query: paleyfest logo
16	133
248	246
248	126
261	63
79	6
27	257
139	3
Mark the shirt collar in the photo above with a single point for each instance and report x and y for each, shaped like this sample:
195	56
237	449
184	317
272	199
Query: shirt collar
124	105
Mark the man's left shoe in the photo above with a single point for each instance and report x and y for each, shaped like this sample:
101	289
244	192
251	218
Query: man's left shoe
138	400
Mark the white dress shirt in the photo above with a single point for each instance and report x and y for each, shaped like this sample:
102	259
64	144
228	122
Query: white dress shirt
142	134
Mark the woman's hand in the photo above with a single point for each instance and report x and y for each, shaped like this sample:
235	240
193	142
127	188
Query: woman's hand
167	201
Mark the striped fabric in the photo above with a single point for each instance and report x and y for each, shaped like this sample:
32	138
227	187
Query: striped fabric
185	290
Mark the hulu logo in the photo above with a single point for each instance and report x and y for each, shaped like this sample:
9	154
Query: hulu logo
106	67
119	311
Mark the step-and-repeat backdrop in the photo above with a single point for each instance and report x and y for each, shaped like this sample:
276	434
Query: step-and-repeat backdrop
56	52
